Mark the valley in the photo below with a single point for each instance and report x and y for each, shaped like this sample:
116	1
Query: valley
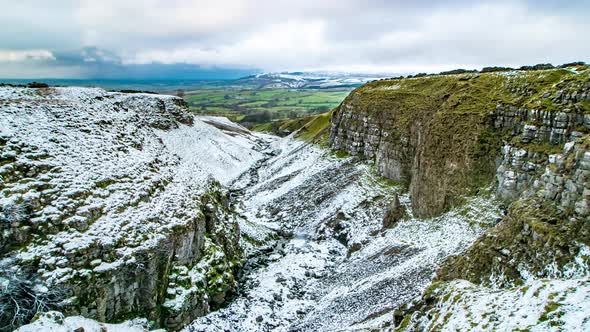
294	166
426	203
258	107
333	264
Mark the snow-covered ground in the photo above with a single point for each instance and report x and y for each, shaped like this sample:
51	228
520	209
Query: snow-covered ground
332	267
99	164
557	302
56	322
538	305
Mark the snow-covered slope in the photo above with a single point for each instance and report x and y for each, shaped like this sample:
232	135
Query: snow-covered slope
335	267
538	305
93	181
56	322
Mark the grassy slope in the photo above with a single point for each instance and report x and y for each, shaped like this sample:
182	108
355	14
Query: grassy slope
313	129
317	130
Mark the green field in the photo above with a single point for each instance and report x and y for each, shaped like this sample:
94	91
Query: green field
253	107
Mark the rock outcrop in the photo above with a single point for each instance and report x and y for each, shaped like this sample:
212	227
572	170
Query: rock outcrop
394	213
107	198
536	140
443	135
544	234
526	135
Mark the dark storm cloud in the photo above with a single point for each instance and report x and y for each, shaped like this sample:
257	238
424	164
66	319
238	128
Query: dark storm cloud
90	37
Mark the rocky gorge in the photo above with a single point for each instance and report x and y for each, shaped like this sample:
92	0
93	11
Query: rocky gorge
525	132
444	202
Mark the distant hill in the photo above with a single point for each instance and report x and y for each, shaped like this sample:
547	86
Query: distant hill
293	80
307	80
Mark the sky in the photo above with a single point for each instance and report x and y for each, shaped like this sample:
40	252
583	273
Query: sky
227	38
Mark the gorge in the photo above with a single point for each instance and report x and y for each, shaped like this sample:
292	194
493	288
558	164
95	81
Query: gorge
444	202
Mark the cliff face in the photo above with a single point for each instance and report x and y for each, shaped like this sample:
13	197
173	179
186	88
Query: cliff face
426	133
108	198
534	135
444	136
524	133
545	232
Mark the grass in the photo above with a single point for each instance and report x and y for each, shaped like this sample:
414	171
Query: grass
550	307
278	104
263	127
317	129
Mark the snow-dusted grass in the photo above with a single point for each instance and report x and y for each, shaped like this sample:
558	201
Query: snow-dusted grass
538	305
557	303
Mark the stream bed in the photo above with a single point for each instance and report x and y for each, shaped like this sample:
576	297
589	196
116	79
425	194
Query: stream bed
319	259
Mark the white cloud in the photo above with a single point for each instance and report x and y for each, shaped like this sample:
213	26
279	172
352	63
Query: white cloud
294	42
24	55
473	36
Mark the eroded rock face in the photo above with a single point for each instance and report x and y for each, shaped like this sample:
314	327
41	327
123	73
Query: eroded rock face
447	136
358	132
416	136
545	232
539	137
105	196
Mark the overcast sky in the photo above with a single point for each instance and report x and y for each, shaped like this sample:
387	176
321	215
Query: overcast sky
88	38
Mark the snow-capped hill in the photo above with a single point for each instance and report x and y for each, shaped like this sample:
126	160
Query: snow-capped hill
309	80
92	181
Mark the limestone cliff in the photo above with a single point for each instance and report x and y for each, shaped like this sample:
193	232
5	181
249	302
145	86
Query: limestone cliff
443	135
524	133
545	232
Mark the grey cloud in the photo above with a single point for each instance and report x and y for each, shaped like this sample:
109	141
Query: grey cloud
378	35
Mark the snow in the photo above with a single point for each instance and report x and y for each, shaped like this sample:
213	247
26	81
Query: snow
315	79
538	305
207	151
311	281
56	322
557	303
112	170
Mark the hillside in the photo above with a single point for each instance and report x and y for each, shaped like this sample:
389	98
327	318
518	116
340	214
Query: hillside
107	196
446	138
431	203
